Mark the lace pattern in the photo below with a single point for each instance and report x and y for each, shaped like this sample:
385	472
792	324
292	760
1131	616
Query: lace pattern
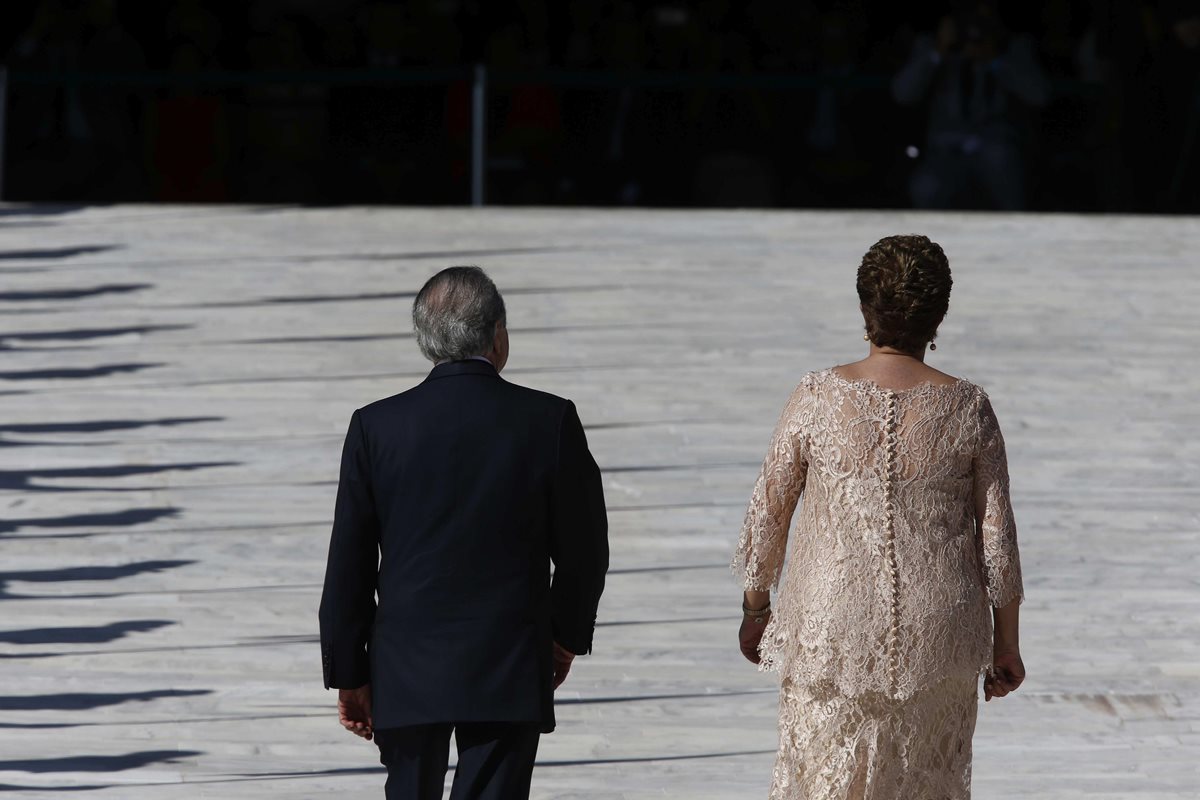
871	747
904	538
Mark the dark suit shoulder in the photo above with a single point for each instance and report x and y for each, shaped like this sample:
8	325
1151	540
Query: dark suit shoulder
536	397
416	399
391	403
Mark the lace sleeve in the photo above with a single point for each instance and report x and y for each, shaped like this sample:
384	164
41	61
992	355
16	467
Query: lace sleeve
758	560
994	523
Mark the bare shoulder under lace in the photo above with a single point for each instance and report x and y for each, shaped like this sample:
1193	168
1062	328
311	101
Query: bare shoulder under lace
904	539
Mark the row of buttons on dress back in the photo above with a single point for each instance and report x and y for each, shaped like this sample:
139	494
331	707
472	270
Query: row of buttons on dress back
889	510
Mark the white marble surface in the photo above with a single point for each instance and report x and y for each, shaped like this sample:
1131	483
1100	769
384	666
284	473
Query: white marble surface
175	382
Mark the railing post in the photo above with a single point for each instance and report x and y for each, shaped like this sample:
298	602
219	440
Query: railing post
3	122
478	134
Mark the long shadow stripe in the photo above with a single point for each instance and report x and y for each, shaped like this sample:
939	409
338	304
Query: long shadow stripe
72	294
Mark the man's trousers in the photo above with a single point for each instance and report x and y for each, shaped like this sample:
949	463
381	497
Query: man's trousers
495	760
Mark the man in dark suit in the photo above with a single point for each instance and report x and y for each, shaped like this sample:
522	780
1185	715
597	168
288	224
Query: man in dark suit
439	613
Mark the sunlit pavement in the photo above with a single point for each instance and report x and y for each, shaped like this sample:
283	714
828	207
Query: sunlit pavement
175	383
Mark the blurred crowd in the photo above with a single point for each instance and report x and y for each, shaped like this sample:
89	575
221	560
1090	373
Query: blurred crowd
1085	105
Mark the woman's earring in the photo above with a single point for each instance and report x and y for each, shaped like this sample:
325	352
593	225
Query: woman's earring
866	337
933	345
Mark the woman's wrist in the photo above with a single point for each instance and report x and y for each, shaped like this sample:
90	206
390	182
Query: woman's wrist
1004	644
756	606
756	600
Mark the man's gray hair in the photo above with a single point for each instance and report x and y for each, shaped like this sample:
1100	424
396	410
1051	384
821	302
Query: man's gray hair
455	314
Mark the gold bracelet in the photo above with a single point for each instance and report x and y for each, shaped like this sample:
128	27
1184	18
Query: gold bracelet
757	613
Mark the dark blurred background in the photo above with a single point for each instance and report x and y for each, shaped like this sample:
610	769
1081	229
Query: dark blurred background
1077	105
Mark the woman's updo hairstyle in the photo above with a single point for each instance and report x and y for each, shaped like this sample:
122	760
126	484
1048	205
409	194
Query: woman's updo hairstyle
904	287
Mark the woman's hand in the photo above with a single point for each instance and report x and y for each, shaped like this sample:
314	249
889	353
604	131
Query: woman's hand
756	613
751	633
1008	671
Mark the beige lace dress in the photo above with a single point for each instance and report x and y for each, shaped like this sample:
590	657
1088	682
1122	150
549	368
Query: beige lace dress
882	625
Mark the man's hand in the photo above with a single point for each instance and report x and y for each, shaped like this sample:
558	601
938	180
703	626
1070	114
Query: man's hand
354	711
751	633
1006	675
562	663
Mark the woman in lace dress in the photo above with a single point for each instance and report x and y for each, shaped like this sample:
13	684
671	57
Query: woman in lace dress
903	581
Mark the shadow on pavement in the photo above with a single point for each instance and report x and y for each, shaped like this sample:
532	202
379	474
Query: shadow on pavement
102	426
93	634
100	519
82	334
404	335
24	480
56	252
74	373
326	773
668	568
68	574
98	763
583	762
86	701
73	294
638	698
93	787
368	296
683	620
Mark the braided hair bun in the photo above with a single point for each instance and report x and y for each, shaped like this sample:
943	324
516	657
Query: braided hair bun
904	288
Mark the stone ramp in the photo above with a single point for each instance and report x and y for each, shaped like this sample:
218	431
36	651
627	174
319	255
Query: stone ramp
175	383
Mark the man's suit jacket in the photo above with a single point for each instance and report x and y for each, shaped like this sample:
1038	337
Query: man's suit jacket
455	498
